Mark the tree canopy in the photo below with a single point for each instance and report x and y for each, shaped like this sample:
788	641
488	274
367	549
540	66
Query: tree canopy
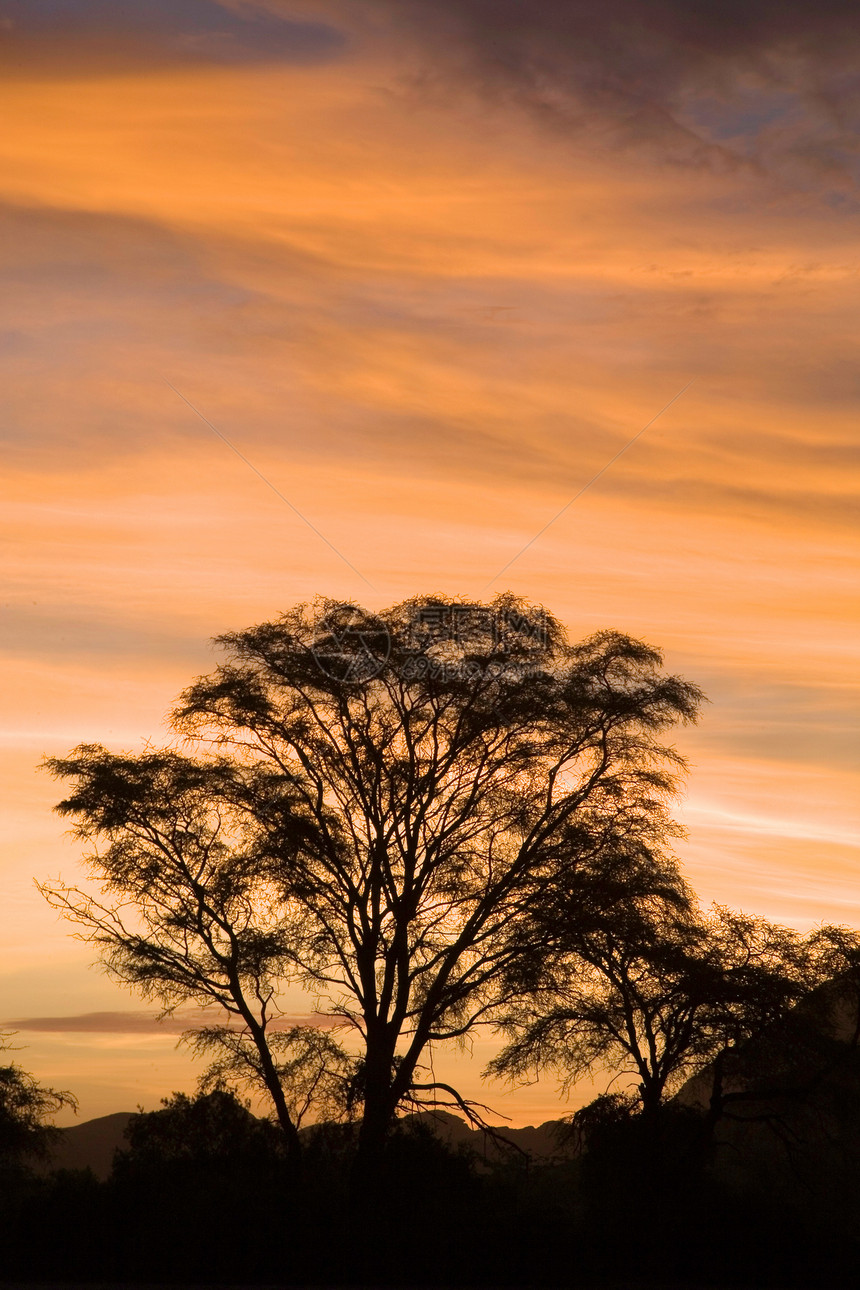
375	807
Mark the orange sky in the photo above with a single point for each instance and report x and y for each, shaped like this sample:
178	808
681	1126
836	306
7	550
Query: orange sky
428	311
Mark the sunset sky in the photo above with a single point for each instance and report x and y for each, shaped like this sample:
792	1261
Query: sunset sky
428	265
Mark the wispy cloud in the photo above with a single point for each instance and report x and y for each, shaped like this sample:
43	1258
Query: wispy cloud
110	36
743	82
146	1023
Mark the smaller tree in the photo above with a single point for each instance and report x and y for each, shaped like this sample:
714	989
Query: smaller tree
206	1188
658	992
25	1110
784	1063
211	1130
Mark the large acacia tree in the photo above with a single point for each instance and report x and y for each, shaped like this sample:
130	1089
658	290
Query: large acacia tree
373	806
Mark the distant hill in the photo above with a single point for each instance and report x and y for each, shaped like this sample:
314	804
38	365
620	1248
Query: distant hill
541	1142
796	1142
91	1145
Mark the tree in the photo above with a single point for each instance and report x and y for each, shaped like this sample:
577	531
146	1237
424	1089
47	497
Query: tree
211	1130
798	1033
374	806
657	991
721	1020
25	1109
193	1159
188	914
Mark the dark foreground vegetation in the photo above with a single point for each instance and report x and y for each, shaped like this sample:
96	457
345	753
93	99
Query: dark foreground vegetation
206	1194
437	820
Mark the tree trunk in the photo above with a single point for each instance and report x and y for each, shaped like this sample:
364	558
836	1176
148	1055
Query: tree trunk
379	1108
276	1092
289	1130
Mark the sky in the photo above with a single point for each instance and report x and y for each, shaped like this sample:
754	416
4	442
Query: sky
428	266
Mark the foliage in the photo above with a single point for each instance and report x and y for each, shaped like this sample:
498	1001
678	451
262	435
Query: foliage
656	991
207	1129
374	807
25	1106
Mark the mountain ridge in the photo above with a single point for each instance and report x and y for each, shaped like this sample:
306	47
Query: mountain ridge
93	1143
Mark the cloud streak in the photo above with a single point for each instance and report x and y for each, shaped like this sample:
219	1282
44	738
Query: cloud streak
71	38
142	1023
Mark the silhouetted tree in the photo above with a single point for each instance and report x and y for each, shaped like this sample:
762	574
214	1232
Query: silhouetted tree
654	990
376	807
788	1048
204	1188
26	1135
211	1129
190	914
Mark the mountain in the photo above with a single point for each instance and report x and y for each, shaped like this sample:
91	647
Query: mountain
544	1142
792	1133
90	1145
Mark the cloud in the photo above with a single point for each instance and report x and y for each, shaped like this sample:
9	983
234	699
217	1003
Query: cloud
97	309
737	83
408	370
143	1023
86	633
74	37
